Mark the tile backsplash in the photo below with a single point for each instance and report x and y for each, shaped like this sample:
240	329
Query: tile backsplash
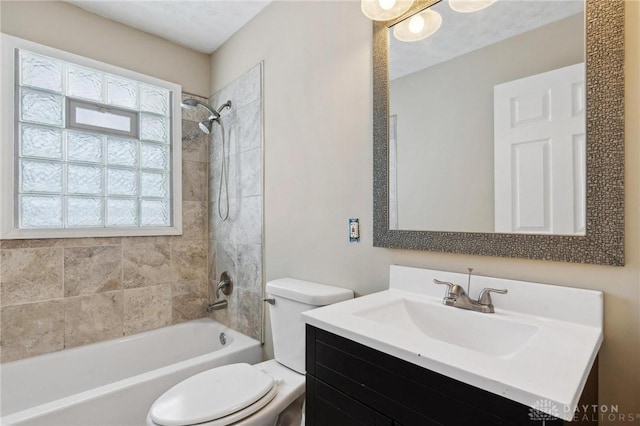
60	293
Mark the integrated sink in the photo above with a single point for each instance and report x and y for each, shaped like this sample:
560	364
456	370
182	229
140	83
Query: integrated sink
537	348
487	333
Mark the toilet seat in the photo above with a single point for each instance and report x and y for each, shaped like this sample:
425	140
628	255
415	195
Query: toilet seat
219	396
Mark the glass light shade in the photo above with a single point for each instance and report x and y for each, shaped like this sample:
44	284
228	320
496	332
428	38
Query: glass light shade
418	27
468	6
383	10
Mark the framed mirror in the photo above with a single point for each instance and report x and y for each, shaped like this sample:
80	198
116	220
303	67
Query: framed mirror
469	154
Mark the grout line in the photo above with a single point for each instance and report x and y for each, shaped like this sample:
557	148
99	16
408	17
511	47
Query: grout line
64	297
122	283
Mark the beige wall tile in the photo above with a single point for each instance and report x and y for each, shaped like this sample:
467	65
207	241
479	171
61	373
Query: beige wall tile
229	315
226	260
249	267
189	260
91	270
194	142
86	242
59	242
212	273
146	264
249	313
30	275
194	181
194	220
189	300
147	240
32	329
22	244
147	308
90	319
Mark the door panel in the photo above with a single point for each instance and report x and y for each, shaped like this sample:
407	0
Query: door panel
540	153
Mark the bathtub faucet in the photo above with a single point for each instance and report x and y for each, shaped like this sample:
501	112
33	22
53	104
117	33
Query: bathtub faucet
225	285
216	306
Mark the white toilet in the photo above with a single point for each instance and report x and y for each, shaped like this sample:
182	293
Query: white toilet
268	393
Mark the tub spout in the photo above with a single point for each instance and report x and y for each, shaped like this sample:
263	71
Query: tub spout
216	306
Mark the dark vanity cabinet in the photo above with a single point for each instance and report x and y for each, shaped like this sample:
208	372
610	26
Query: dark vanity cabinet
352	384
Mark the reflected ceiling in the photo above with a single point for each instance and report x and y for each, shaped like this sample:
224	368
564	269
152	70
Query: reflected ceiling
463	33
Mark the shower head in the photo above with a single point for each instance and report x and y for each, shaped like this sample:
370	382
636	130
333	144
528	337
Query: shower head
193	103
205	125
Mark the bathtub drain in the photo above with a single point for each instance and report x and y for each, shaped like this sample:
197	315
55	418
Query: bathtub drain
223	339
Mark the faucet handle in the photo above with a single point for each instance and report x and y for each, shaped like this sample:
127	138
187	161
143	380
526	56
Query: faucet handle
225	285
485	295
453	290
450	285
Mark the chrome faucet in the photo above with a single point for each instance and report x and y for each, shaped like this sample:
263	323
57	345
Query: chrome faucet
216	306
225	285
458	298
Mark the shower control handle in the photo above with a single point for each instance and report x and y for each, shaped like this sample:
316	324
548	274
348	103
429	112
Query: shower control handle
225	285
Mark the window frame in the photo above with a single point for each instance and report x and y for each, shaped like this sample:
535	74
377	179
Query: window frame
9	227
73	104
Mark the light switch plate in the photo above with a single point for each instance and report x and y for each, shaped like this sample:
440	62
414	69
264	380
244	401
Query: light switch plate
354	230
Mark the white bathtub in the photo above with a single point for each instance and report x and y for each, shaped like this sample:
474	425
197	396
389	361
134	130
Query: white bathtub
115	382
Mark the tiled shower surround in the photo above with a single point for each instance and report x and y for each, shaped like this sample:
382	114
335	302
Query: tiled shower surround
235	245
60	293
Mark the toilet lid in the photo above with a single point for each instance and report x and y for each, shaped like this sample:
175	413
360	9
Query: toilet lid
211	395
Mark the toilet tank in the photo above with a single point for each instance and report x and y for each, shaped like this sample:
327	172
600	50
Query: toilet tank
292	297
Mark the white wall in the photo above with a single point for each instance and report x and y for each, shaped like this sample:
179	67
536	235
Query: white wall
318	148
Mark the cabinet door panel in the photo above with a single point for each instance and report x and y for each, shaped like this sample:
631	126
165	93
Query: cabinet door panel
331	407
401	396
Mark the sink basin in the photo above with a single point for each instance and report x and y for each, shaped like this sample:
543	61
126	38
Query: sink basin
539	345
486	333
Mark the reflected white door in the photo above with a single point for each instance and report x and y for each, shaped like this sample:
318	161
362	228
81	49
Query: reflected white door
539	153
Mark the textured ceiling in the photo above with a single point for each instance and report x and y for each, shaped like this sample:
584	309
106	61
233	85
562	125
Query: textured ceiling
462	33
202	25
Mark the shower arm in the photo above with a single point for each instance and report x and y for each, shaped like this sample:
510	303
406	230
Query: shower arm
223	106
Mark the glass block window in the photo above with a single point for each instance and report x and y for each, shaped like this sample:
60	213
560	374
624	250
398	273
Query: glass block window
93	149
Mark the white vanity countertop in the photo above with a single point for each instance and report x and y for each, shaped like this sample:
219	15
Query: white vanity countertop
537	348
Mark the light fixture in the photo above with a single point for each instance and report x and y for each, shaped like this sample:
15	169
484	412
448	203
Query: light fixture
468	6
419	26
383	10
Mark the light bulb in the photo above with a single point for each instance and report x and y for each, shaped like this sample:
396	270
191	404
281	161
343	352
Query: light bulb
384	10
419	26
416	24
387	4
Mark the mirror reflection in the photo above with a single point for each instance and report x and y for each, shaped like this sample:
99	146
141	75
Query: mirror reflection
487	118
